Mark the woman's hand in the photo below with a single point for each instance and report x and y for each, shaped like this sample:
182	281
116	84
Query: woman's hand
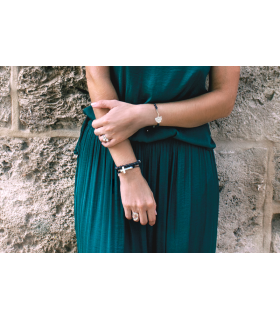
122	121
137	197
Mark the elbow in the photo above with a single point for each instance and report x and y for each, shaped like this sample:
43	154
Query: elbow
229	103
228	109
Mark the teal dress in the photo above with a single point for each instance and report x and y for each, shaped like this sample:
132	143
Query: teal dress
178	164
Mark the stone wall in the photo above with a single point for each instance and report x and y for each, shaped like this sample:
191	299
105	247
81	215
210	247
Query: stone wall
40	120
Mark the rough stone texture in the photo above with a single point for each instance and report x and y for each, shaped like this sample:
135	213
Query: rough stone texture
36	195
52	97
242	181
5	99
37	174
276	180
275	237
256	115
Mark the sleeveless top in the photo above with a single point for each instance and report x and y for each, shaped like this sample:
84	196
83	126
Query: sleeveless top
140	85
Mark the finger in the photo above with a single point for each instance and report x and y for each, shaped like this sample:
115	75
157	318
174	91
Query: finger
134	209
152	216
143	217
108	104
110	143
101	104
101	138
138	219
99	131
127	213
97	123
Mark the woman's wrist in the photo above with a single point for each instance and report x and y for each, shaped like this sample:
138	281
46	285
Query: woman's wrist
146	114
130	175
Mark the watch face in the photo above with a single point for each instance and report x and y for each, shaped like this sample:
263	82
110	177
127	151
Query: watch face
158	119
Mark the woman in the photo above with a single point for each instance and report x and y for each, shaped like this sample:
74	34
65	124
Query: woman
159	116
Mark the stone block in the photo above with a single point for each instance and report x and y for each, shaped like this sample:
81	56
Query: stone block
275	234
276	180
36	195
5	98
52	97
242	181
256	113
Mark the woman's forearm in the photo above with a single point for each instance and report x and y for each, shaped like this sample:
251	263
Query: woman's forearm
136	195
189	113
101	88
217	103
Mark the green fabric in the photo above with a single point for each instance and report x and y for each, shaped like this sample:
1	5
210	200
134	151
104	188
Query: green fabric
139	85
178	164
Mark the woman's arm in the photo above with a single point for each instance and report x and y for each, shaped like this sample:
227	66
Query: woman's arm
125	119
215	104
100	87
135	192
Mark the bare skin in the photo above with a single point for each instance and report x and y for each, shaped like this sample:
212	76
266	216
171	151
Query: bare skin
135	192
120	120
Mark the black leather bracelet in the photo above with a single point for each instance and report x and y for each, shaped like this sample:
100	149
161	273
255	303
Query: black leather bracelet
126	166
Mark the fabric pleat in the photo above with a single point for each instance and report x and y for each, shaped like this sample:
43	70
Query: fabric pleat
183	178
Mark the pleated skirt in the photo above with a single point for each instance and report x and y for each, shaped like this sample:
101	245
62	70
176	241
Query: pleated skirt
183	178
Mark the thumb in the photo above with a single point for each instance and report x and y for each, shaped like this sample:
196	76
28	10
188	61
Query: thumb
108	104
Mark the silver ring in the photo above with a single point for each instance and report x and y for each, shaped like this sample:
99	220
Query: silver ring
104	138
135	216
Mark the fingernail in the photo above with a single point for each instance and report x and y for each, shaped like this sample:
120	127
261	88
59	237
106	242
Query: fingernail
156	213
93	104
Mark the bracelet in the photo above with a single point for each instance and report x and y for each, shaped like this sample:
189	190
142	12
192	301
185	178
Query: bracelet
128	166
158	118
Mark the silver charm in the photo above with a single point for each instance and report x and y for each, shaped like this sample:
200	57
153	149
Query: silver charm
158	119
123	170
